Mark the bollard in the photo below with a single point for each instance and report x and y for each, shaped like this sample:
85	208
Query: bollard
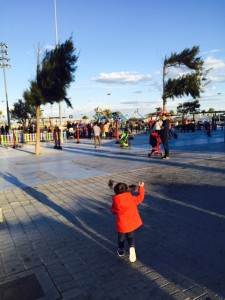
117	132
78	135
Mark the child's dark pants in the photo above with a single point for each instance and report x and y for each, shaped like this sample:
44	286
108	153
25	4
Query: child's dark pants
130	239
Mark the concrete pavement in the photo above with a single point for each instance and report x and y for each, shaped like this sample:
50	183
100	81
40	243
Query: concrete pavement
58	236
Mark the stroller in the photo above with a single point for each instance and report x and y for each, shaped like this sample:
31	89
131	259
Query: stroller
155	142
124	140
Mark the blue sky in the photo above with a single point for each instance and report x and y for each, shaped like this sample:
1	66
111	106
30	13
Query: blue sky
122	44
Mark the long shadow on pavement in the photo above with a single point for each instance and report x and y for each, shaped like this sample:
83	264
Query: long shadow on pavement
181	241
134	157
75	247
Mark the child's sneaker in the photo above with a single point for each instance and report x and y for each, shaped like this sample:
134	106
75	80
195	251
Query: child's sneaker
132	257
120	252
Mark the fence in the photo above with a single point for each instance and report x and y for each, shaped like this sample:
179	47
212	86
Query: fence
28	137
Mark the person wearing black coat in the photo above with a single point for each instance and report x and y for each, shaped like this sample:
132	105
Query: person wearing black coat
164	134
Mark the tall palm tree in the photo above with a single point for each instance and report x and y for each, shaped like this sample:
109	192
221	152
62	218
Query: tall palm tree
54	76
190	83
57	73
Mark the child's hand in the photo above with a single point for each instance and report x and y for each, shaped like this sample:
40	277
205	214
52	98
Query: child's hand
142	184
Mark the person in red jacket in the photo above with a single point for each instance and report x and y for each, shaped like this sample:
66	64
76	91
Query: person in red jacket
124	205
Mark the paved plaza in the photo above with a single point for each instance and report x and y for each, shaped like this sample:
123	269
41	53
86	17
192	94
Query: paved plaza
58	238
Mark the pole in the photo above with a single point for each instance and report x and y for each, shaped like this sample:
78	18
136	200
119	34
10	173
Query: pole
6	96
6	93
56	42
56	25
117	132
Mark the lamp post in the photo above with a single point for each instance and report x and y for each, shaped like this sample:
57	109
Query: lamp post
57	42
4	65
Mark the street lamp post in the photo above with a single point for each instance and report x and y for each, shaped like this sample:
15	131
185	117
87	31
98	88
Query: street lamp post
4	65
57	42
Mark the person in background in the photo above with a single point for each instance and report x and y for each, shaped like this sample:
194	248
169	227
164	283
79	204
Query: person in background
106	129
164	134
97	135
89	129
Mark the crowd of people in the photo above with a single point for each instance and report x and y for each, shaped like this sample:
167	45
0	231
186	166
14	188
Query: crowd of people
107	128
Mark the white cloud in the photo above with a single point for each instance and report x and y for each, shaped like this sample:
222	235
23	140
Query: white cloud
217	70
212	51
122	77
214	63
216	78
136	102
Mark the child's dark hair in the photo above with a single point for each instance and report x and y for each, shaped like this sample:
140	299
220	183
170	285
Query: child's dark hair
121	187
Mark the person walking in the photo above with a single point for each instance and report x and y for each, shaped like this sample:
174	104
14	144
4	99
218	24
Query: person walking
164	134
97	135
124	205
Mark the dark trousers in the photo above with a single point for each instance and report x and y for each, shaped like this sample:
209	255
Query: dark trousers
129	237
165	141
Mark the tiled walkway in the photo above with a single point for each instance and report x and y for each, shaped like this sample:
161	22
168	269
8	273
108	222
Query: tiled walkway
58	234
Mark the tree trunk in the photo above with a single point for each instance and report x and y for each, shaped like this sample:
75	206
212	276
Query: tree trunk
24	126
37	146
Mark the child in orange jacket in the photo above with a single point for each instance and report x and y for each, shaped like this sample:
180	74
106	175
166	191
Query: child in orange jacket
124	205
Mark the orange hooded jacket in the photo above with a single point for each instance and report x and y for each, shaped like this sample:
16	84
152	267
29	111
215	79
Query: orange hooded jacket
125	207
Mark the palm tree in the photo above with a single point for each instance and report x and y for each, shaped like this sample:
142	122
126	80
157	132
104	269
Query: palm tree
54	75
188	84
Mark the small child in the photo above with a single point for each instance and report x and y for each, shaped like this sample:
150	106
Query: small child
124	205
